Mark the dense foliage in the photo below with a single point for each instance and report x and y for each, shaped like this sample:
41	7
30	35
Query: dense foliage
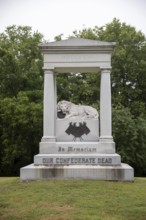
21	91
21	84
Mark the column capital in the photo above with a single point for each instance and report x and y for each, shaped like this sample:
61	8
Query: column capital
105	70
48	71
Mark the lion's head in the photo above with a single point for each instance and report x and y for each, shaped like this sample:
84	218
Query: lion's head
63	106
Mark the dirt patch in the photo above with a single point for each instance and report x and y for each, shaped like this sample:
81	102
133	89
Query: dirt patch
63	208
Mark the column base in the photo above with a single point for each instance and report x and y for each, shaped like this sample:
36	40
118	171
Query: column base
106	139
48	139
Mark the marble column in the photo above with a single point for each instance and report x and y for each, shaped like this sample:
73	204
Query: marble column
105	107
49	114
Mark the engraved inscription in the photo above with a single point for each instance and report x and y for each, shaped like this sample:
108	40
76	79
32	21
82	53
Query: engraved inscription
76	160
71	149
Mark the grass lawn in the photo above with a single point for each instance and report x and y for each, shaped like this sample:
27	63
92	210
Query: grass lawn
72	200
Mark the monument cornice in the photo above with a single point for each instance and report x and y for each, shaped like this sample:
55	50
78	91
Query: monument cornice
77	45
79	50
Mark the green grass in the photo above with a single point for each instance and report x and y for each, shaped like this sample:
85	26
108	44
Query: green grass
72	200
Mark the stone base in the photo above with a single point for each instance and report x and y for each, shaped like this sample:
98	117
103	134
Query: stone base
122	172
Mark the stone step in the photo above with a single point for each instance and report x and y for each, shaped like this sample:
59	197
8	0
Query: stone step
115	173
77	159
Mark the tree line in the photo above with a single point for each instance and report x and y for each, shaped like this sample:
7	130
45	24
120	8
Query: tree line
21	93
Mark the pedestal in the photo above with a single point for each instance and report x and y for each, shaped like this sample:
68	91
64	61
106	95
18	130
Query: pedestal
84	160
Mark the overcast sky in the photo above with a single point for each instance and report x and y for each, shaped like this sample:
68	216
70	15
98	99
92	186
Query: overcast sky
54	17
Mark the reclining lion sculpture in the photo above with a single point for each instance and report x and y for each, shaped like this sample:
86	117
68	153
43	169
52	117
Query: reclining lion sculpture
71	110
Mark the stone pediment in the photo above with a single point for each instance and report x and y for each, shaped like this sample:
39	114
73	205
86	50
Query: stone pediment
77	44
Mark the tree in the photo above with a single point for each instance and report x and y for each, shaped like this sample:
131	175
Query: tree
130	138
128	63
21	83
21	131
20	61
79	88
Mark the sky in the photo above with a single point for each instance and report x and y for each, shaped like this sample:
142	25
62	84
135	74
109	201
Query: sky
54	17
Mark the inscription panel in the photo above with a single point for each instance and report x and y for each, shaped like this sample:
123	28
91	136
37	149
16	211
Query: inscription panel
76	160
77	148
64	58
80	159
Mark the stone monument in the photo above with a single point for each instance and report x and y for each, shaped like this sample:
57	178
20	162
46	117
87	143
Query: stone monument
74	144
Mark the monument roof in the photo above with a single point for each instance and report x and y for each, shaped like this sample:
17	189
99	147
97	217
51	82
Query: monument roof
77	44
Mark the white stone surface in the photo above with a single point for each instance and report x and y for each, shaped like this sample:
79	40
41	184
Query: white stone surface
74	42
63	124
49	114
73	111
88	55
80	159
77	147
96	172
105	106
